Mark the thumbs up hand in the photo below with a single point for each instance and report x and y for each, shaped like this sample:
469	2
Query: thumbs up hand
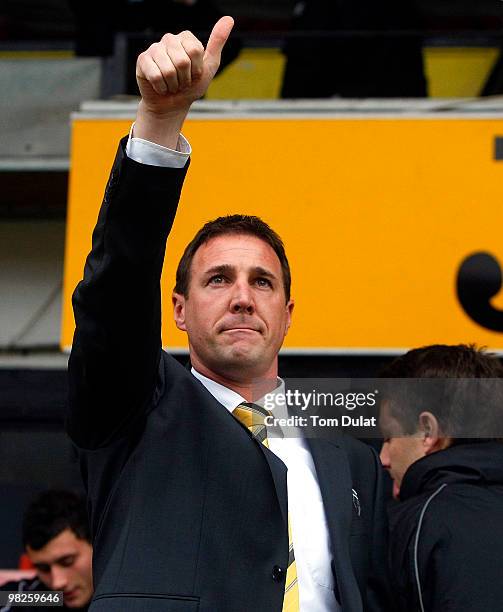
171	74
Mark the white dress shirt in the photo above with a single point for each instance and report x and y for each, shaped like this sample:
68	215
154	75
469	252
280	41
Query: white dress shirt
307	514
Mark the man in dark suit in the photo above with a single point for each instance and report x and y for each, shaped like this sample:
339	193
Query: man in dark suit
190	509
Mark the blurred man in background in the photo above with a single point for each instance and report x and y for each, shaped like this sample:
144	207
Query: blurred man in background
140	20
56	539
375	53
446	534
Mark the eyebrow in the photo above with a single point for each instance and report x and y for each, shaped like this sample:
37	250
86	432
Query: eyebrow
42	564
229	270
221	269
263	272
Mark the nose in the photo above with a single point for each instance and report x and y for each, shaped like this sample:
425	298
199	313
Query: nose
59	579
384	455
242	299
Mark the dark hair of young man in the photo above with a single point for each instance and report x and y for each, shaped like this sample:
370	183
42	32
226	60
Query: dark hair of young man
231	224
50	513
440	361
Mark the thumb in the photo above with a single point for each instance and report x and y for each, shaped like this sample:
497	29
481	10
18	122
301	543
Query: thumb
218	38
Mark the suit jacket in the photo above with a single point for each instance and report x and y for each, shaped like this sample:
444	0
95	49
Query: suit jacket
188	511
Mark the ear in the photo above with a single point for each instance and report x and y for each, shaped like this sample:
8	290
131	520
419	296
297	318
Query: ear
179	310
289	310
429	427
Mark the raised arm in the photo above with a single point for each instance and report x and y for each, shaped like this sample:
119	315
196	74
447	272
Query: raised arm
113	367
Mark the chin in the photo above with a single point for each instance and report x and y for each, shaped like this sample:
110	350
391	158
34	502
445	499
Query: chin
241	357
396	490
77	602
73	604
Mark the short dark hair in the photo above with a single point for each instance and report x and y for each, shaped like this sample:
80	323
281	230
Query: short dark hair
50	513
228	225
450	405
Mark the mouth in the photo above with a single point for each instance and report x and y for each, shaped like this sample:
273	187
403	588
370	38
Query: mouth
69	595
238	329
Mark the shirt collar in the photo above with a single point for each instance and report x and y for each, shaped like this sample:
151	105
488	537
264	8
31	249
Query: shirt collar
227	397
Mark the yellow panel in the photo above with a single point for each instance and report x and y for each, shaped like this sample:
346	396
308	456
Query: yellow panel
377	215
36	55
458	72
255	74
451	72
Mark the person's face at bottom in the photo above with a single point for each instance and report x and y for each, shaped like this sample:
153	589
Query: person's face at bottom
236	314
65	564
399	451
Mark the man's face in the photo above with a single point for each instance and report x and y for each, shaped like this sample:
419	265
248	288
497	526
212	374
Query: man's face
236	315
65	564
399	451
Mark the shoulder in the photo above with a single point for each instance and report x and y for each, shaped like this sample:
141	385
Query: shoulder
21	586
27	584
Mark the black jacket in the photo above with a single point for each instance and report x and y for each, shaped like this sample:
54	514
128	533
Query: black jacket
188	511
447	532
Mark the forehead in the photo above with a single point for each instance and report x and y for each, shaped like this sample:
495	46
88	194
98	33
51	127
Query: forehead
240	250
65	543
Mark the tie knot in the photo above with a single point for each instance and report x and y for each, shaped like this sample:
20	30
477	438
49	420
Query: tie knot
252	416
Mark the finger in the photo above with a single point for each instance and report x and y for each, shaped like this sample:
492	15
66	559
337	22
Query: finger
165	64
178	56
218	38
195	50
148	70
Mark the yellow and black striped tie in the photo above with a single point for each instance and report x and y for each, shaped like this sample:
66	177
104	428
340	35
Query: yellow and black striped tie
252	416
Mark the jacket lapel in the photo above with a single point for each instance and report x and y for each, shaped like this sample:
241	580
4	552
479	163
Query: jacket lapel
334	478
278	473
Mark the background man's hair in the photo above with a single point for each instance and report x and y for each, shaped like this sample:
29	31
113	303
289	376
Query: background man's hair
232	224
445	361
456	404
50	513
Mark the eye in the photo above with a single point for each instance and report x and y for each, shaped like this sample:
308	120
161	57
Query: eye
218	279
263	282
67	561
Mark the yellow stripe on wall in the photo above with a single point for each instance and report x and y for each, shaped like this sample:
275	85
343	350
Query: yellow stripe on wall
455	72
35	55
452	72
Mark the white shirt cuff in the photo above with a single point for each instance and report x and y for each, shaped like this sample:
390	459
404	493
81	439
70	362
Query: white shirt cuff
153	154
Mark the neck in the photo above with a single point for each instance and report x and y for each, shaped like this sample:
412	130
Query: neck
250	388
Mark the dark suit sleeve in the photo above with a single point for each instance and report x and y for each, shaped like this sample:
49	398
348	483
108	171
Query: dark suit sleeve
379	595
114	364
